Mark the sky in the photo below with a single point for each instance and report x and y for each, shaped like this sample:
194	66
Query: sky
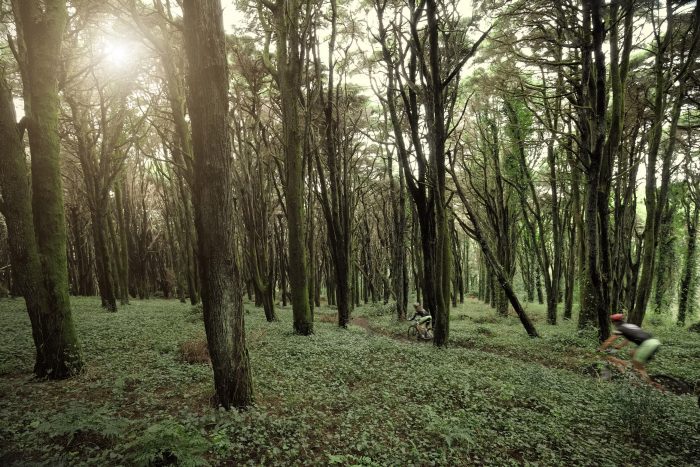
234	18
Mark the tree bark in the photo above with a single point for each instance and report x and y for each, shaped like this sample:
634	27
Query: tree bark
17	210
286	23
691	261
40	27
205	44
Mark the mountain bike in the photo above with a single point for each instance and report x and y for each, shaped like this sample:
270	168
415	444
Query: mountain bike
413	331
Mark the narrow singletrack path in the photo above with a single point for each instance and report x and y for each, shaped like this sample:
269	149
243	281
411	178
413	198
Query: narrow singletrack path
669	383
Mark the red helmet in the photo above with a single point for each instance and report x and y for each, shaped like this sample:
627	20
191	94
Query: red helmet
617	317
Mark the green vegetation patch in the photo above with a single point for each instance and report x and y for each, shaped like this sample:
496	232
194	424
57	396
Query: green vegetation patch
361	396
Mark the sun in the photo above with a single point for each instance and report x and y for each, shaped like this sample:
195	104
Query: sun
117	54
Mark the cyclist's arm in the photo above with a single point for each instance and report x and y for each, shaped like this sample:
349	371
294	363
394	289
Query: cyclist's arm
608	341
622	344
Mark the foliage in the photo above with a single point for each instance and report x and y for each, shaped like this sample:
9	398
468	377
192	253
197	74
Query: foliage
196	313
169	442
380	309
640	409
195	351
355	398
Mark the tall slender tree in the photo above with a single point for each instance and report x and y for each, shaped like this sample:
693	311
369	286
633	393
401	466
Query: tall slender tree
214	202
289	22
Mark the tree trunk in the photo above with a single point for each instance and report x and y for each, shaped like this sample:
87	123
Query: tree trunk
570	271
466	281
691	261
289	41
103	259
595	307
40	27
482	280
120	197
538	285
667	259
205	43
17	210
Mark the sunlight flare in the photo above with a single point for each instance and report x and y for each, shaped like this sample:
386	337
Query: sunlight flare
117	53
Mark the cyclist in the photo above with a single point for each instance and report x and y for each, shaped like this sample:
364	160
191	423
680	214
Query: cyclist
647	346
423	322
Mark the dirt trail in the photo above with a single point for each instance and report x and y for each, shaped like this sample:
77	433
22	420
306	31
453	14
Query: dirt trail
669	383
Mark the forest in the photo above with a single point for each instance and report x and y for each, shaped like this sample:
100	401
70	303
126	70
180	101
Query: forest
355	232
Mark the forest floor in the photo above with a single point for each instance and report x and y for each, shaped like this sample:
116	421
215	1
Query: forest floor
367	395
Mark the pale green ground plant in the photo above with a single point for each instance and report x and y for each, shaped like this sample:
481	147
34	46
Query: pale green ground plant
342	396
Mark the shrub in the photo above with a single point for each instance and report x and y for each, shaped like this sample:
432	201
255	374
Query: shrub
169	443
484	331
655	320
194	351
79	425
641	409
488	319
380	309
694	327
195	313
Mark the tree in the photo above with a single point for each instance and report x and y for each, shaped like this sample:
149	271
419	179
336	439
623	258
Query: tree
160	29
37	231
97	117
422	88
670	88
501	275
214	202
342	115
255	173
691	209
289	22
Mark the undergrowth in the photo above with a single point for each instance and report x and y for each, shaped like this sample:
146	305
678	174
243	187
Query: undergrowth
338	397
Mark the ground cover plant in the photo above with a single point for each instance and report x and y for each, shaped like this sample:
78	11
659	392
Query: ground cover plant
257	191
348	397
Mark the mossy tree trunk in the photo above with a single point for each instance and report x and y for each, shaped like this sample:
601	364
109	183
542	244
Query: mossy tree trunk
215	213
17	209
289	21
691	209
334	171
666	280
40	26
597	160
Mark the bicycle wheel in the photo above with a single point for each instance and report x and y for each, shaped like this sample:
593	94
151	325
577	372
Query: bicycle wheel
412	331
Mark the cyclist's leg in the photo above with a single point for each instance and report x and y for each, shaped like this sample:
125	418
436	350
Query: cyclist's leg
424	325
639	368
642	355
619	363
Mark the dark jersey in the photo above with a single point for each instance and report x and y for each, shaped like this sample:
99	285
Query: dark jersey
420	314
633	333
